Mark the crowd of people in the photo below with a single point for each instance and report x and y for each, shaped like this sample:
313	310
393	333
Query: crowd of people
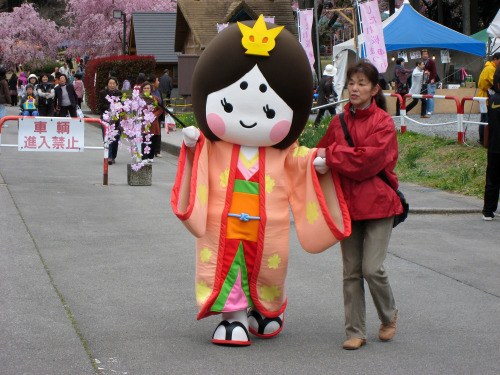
48	94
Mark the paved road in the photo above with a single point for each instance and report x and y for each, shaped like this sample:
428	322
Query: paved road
100	279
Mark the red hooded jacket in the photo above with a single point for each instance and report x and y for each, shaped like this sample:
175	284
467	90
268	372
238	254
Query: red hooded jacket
376	149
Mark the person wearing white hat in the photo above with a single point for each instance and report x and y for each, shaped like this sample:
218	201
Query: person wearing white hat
33	80
326	91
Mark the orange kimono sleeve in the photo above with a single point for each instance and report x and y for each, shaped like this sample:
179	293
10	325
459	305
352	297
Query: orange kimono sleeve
318	206
190	191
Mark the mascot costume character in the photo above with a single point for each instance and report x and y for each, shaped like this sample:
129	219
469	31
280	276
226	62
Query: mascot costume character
252	93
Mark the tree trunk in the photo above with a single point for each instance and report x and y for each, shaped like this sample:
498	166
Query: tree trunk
474	20
466	17
440	12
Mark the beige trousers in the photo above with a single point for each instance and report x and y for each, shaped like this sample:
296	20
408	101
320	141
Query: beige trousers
363	255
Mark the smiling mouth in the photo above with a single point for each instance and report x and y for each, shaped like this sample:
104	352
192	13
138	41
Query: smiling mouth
248	126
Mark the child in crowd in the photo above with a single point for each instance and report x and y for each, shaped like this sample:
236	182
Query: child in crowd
28	102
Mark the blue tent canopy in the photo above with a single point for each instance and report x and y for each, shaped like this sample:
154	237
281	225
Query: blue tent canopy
412	30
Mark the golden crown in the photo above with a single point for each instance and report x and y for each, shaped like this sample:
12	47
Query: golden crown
259	40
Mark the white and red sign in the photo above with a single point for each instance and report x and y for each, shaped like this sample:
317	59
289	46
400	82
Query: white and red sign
305	38
56	134
373	34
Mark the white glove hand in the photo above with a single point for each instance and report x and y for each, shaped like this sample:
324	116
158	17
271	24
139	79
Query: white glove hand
190	136
320	165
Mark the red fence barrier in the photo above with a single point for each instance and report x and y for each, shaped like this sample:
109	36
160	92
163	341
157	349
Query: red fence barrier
94	120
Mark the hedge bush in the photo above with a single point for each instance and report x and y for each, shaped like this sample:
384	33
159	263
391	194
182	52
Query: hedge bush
38	67
122	65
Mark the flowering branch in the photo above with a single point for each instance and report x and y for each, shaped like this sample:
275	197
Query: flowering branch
135	117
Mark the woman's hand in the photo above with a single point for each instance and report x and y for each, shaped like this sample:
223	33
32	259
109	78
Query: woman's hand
321	152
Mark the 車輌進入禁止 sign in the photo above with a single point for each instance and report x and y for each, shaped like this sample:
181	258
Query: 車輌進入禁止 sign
57	134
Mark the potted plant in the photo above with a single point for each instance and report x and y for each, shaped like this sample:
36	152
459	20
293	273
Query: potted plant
134	116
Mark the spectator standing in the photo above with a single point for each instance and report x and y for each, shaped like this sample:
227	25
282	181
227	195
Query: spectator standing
13	89
4	91
417	82
46	96
154	129
78	84
33	80
56	70
166	85
326	91
103	105
430	68
65	69
401	75
21	84
492	186
485	85
23	79
372	203
155	83
141	78
66	99
126	84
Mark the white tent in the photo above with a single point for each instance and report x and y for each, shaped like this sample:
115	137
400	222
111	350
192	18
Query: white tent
407	31
494	29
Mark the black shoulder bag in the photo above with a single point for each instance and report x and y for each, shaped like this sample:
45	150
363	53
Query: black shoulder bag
406	207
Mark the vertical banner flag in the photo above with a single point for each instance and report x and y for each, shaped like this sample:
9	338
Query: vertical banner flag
373	34
305	26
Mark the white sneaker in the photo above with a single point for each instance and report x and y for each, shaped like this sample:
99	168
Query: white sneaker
488	218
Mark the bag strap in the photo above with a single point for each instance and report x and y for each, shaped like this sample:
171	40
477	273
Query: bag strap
351	143
346	132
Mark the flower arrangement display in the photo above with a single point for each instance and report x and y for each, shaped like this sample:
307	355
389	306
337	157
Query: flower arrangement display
134	116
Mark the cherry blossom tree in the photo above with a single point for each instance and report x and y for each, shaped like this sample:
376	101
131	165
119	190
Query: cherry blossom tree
93	30
26	37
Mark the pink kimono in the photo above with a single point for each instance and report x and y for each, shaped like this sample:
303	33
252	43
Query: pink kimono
239	213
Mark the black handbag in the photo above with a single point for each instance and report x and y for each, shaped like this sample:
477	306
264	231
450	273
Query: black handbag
404	202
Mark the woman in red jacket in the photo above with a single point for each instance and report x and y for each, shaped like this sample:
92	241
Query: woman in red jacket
372	203
152	135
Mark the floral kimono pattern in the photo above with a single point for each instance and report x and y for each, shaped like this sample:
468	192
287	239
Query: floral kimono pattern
239	211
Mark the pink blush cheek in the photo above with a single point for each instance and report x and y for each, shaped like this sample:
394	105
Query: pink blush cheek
216	124
280	130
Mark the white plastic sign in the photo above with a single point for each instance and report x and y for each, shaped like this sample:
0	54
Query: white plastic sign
56	134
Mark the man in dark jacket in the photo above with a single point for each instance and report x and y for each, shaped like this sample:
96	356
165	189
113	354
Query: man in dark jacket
66	98
492	187
166	85
325	92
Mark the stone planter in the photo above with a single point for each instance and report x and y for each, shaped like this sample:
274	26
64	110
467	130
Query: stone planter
142	177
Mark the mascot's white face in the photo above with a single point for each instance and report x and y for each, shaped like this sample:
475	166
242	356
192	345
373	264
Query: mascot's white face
249	112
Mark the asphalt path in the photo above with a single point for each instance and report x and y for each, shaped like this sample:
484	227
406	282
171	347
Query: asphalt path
100	279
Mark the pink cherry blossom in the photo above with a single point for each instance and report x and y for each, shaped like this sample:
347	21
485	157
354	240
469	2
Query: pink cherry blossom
90	18
27	37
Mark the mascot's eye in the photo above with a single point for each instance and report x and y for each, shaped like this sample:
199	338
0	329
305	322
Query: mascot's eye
228	107
244	85
263	88
269	112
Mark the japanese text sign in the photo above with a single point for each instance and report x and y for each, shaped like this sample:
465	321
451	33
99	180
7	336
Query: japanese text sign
305	22
57	134
373	34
